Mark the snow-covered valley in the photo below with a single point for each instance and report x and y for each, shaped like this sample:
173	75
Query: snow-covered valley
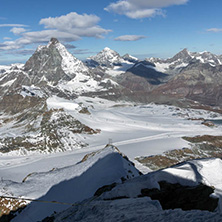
137	130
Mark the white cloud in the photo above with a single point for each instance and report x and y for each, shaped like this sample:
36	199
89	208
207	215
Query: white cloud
79	25
214	30
17	30
7	38
129	37
70	21
137	9
12	25
66	28
144	13
156	3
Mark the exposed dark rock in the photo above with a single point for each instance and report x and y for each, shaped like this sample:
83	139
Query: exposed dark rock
46	62
49	219
146	69
105	188
198	82
172	196
54	40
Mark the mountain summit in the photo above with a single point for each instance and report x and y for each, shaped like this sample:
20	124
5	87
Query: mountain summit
53	63
107	57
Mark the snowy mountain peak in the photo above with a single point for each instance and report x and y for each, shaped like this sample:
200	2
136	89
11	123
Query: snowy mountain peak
107	49
54	63
109	52
107	57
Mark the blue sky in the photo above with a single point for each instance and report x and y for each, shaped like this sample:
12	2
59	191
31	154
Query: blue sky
143	28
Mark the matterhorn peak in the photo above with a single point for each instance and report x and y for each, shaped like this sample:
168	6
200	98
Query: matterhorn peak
54	63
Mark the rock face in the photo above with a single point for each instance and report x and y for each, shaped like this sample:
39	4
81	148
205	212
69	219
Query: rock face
53	63
147	70
55	71
198	81
194	76
172	196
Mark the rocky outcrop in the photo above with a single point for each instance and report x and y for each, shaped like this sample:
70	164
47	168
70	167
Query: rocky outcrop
172	196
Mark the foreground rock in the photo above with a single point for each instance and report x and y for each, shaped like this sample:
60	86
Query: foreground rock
190	186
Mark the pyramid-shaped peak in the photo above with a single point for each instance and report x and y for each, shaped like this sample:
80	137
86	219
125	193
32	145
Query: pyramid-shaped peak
184	52
183	55
54	63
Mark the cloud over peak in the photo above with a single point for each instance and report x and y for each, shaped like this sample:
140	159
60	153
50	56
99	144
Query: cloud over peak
66	28
75	24
137	9
70	21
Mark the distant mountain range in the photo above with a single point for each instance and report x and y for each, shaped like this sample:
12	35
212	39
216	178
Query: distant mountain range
54	71
25	91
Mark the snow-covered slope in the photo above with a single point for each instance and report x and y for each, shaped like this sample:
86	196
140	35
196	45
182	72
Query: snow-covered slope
70	64
70	184
4	68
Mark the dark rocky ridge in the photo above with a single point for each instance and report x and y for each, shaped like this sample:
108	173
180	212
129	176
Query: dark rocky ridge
172	196
147	70
198	82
